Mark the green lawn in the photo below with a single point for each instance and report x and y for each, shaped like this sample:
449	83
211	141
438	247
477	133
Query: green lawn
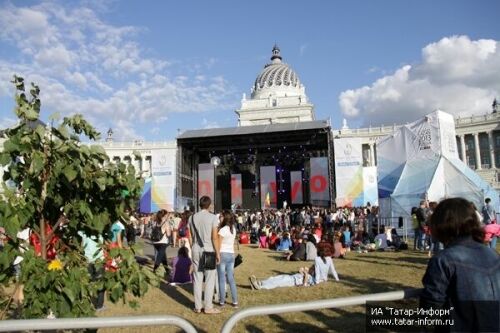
359	274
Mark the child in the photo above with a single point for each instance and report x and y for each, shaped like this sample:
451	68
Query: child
182	267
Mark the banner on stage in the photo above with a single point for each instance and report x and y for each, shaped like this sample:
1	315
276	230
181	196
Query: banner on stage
318	182
268	187
236	190
206	180
296	187
163	179
370	193
348	172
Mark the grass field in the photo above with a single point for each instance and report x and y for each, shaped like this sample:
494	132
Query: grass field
360	273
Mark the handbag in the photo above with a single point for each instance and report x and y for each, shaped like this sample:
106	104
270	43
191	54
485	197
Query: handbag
208	260
238	260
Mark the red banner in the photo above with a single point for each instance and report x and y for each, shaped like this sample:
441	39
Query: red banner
205	180
318	182
236	190
268	187
296	187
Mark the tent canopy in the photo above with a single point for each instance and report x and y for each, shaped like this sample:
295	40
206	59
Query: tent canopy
420	161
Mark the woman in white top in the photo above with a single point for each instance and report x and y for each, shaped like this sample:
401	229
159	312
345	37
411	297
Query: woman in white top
161	245
323	266
227	234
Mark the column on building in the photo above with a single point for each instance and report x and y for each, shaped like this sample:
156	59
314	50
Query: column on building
137	165
148	166
462	148
492	149
372	154
477	151
127	160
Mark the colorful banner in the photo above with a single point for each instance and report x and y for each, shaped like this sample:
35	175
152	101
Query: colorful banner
236	190
318	182
370	188
296	187
163	179
206	180
268	187
348	172
145	201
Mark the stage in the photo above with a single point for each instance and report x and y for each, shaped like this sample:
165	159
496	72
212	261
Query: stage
245	152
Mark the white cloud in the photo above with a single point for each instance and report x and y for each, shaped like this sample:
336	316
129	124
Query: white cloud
456	74
209	124
85	65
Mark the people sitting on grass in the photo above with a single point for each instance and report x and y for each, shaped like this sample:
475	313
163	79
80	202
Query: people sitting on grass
318	273
299	252
182	267
311	251
285	243
338	250
381	240
326	245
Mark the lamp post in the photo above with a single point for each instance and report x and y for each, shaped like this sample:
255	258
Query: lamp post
215	161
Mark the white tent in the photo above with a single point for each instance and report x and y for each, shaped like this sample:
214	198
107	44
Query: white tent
420	161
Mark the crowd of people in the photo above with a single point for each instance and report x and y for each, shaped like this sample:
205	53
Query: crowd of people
461	241
459	238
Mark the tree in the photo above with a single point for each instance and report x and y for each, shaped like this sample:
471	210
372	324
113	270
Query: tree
62	187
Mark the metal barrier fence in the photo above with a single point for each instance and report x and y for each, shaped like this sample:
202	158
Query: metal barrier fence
135	321
104	322
316	305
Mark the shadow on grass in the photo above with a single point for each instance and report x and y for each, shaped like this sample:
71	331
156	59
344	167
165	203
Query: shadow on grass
415	260
345	321
382	261
294	327
174	293
253	329
372	285
409	256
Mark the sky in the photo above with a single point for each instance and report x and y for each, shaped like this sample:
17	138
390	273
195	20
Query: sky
152	69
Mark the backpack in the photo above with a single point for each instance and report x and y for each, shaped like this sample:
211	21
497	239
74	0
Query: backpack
156	233
183	230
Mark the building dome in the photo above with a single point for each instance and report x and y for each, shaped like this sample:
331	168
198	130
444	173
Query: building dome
277	78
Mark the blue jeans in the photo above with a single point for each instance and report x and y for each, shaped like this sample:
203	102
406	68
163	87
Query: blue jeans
226	268
285	280
418	239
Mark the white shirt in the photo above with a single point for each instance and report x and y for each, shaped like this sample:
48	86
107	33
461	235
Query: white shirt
322	269
381	241
227	243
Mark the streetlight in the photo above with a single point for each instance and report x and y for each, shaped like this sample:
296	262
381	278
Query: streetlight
215	161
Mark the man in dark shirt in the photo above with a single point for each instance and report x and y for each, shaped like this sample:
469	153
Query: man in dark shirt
421	214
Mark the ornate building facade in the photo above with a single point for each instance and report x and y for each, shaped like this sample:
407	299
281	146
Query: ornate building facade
278	96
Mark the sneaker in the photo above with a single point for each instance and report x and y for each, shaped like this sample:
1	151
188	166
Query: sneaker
235	305
212	311
254	282
102	308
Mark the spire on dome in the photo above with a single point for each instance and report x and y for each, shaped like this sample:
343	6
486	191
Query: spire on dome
276	57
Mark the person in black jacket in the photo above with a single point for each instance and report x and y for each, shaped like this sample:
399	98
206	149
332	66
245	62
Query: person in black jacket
421	214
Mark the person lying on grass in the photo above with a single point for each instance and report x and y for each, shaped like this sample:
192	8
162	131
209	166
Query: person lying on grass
319	272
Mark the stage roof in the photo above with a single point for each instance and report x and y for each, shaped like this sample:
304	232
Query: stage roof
246	130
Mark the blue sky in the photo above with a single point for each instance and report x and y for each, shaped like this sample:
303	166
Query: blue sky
149	68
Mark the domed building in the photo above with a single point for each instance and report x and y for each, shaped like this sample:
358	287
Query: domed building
277	96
